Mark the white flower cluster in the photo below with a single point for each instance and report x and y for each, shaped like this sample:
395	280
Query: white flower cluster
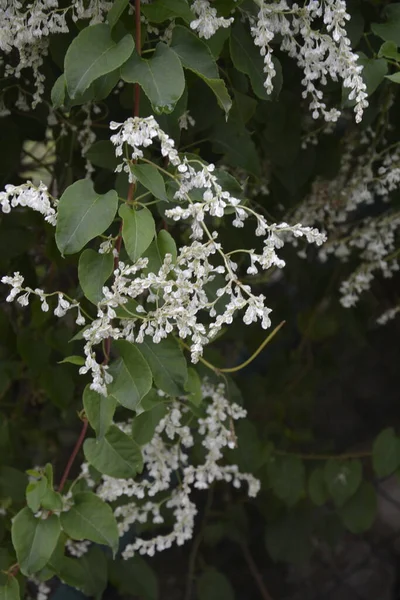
368	174
42	589
22	295
207	22
164	457
35	197
318	54
178	289
27	27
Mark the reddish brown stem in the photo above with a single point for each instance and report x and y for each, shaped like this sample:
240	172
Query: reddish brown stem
75	451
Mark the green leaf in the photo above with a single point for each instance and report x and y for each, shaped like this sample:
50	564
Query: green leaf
144	425
132	376
116	11
389	31
342	479
93	271
162	245
99	410
161	77
87	573
386	453
193	386
317	488
34	540
102	154
162	10
73	360
51	500
150	177
358	514
234	141
94	53
389	50
10	591
58	92
395	77
138	230
197	57
82	215
213	585
34	493
116	454
286	475
247	59
90	518
167	364
134	577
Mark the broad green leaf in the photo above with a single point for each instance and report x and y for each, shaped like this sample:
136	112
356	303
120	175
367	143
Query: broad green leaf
132	375
234	141
150	400
389	31
286	476
134	577
162	245
317	487
193	386
90	518
389	50
102	154
196	56
10	591
342	479
150	177
194	53
159	11
358	514
144	425
161	77
116	11
51	500
138	230
87	573
167	364
99	410
58	92
395	77
386	453
213	585
82	215
93	271
74	359
34	540
116	454
34	493
94	53
247	59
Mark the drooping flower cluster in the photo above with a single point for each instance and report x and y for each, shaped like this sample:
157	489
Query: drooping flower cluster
319	54
26	28
34	197
22	295
207	22
168	454
368	174
175	298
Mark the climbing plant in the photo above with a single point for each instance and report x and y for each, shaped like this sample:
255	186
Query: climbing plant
188	187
